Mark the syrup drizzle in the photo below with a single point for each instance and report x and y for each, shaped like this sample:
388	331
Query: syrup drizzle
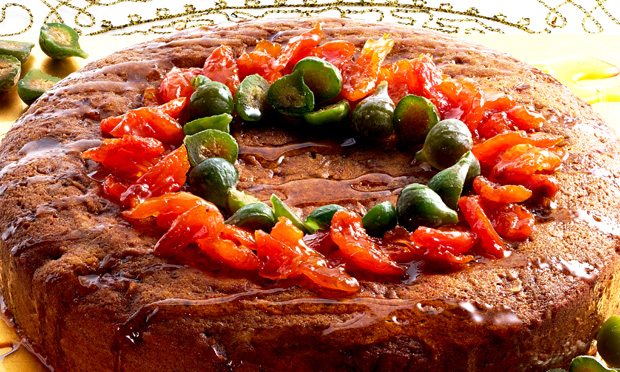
44	149
301	193
274	153
365	312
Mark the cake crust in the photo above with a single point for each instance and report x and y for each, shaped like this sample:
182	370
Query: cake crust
85	288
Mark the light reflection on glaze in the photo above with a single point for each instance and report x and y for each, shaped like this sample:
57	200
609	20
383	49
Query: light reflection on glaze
601	223
300	193
44	149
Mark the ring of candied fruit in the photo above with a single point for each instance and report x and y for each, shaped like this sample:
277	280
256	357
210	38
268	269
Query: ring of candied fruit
147	163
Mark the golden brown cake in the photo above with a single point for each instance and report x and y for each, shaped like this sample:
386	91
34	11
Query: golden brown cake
86	290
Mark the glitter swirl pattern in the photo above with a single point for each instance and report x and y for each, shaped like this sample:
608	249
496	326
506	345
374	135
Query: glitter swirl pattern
124	17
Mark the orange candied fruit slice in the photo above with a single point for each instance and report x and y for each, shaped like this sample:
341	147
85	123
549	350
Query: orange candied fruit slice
221	66
524	160
201	222
178	83
296	47
361	78
128	157
444	246
500	194
166	207
283	254
511	221
489	151
229	253
168	175
355	245
337	52
481	225
260	61
155	122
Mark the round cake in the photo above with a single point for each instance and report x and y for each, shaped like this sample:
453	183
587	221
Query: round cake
85	289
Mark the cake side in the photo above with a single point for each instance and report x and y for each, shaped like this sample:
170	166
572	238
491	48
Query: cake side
69	259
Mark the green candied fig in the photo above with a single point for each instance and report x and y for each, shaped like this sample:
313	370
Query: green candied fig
418	205
210	98
212	179
10	69
60	41
254	216
236	199
323	78
474	169
199	80
586	363
329	115
290	96
220	122
608	341
251	98
373	117
34	84
414	117
321	217
379	219
449	183
211	143
445	143
18	49
283	210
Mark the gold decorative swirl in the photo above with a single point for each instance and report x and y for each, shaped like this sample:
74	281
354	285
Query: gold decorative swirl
445	17
3	18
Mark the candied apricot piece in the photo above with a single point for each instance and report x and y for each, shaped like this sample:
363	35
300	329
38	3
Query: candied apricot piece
511	221
500	194
227	252
499	102
166	207
283	254
355	244
525	119
173	108
361	79
460	100
260	61
239	235
294	49
489	151
128	157
426	76
471	100
155	122
201	222
221	66
494	124
481	225
542	185
524	160
178	83
113	187
443	245
452	240
337	52
168	175
397	244
321	241
398	75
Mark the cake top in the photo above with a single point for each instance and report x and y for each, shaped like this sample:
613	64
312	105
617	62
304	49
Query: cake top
494	163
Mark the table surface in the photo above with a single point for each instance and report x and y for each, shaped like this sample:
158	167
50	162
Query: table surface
585	63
